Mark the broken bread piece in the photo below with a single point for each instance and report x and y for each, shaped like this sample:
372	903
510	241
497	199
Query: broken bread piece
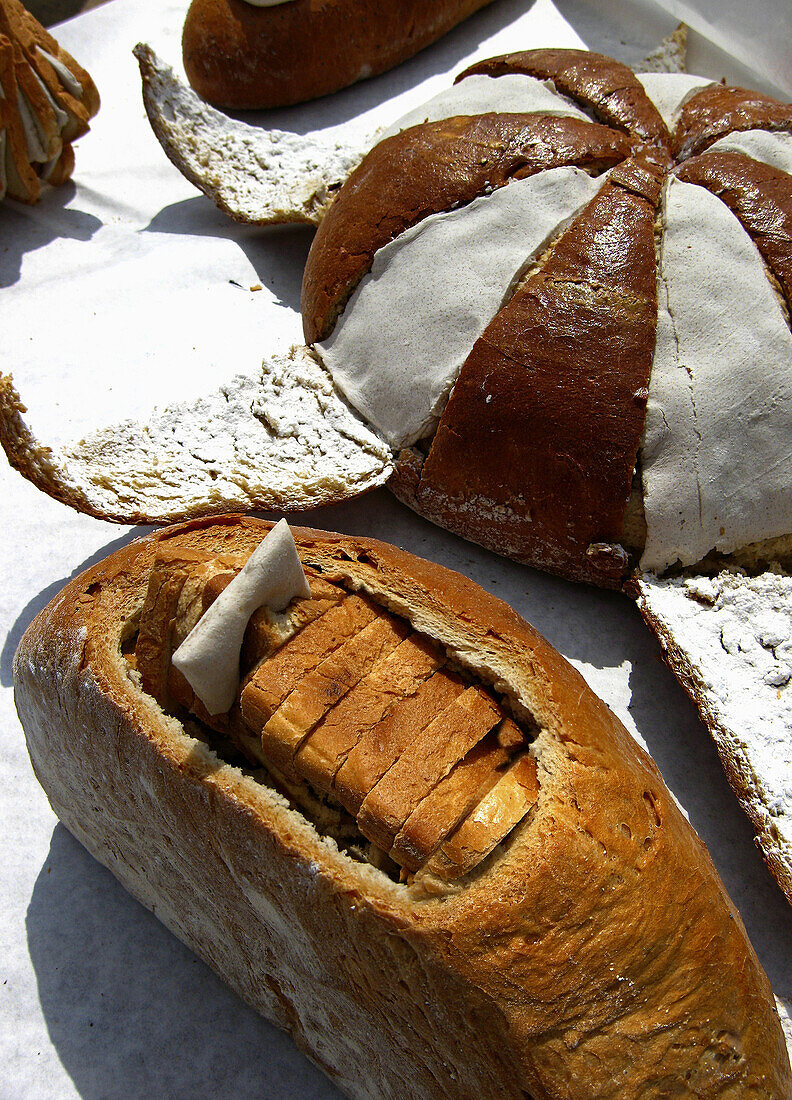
595	926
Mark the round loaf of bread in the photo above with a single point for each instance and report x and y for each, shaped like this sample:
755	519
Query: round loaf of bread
560	292
245	54
594	953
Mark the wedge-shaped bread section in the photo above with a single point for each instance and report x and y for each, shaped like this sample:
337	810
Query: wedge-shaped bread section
728	638
717	110
503	807
255	176
606	87
543	426
284	440
429	168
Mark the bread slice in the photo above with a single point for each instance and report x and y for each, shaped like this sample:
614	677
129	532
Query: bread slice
728	640
284	440
256	176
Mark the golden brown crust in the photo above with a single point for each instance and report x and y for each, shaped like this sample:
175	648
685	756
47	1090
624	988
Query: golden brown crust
58	105
536	448
596	955
240	56
717	110
760	196
598	83
427	169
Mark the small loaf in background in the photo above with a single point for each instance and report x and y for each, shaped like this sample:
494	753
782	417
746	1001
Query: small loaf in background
593	953
240	55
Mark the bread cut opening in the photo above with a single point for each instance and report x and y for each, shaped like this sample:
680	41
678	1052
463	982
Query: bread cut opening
367	726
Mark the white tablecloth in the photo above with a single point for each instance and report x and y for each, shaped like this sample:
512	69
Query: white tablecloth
127	289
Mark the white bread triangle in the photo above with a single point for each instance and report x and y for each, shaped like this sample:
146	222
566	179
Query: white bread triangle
728	640
284	440
257	176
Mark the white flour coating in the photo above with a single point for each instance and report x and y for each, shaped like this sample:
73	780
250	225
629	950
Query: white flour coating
784	1006
718	437
399	346
773	147
256	176
669	91
513	93
283	440
734	634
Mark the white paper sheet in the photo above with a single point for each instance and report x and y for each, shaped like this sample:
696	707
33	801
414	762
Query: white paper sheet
121	291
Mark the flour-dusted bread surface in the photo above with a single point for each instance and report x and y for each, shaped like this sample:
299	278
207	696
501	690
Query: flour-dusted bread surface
594	954
255	176
283	440
729	640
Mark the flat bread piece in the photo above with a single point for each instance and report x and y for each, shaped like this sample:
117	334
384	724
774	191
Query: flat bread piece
728	638
441	811
256	176
283	440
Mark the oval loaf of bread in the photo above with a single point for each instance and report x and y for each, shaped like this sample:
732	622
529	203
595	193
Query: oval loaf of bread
417	840
240	53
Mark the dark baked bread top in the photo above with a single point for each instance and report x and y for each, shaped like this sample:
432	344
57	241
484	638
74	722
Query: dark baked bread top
534	444
238	55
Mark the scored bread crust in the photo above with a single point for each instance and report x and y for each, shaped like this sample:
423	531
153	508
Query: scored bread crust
595	954
237	55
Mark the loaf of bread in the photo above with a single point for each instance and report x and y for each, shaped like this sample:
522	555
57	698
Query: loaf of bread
46	100
585	947
270	53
